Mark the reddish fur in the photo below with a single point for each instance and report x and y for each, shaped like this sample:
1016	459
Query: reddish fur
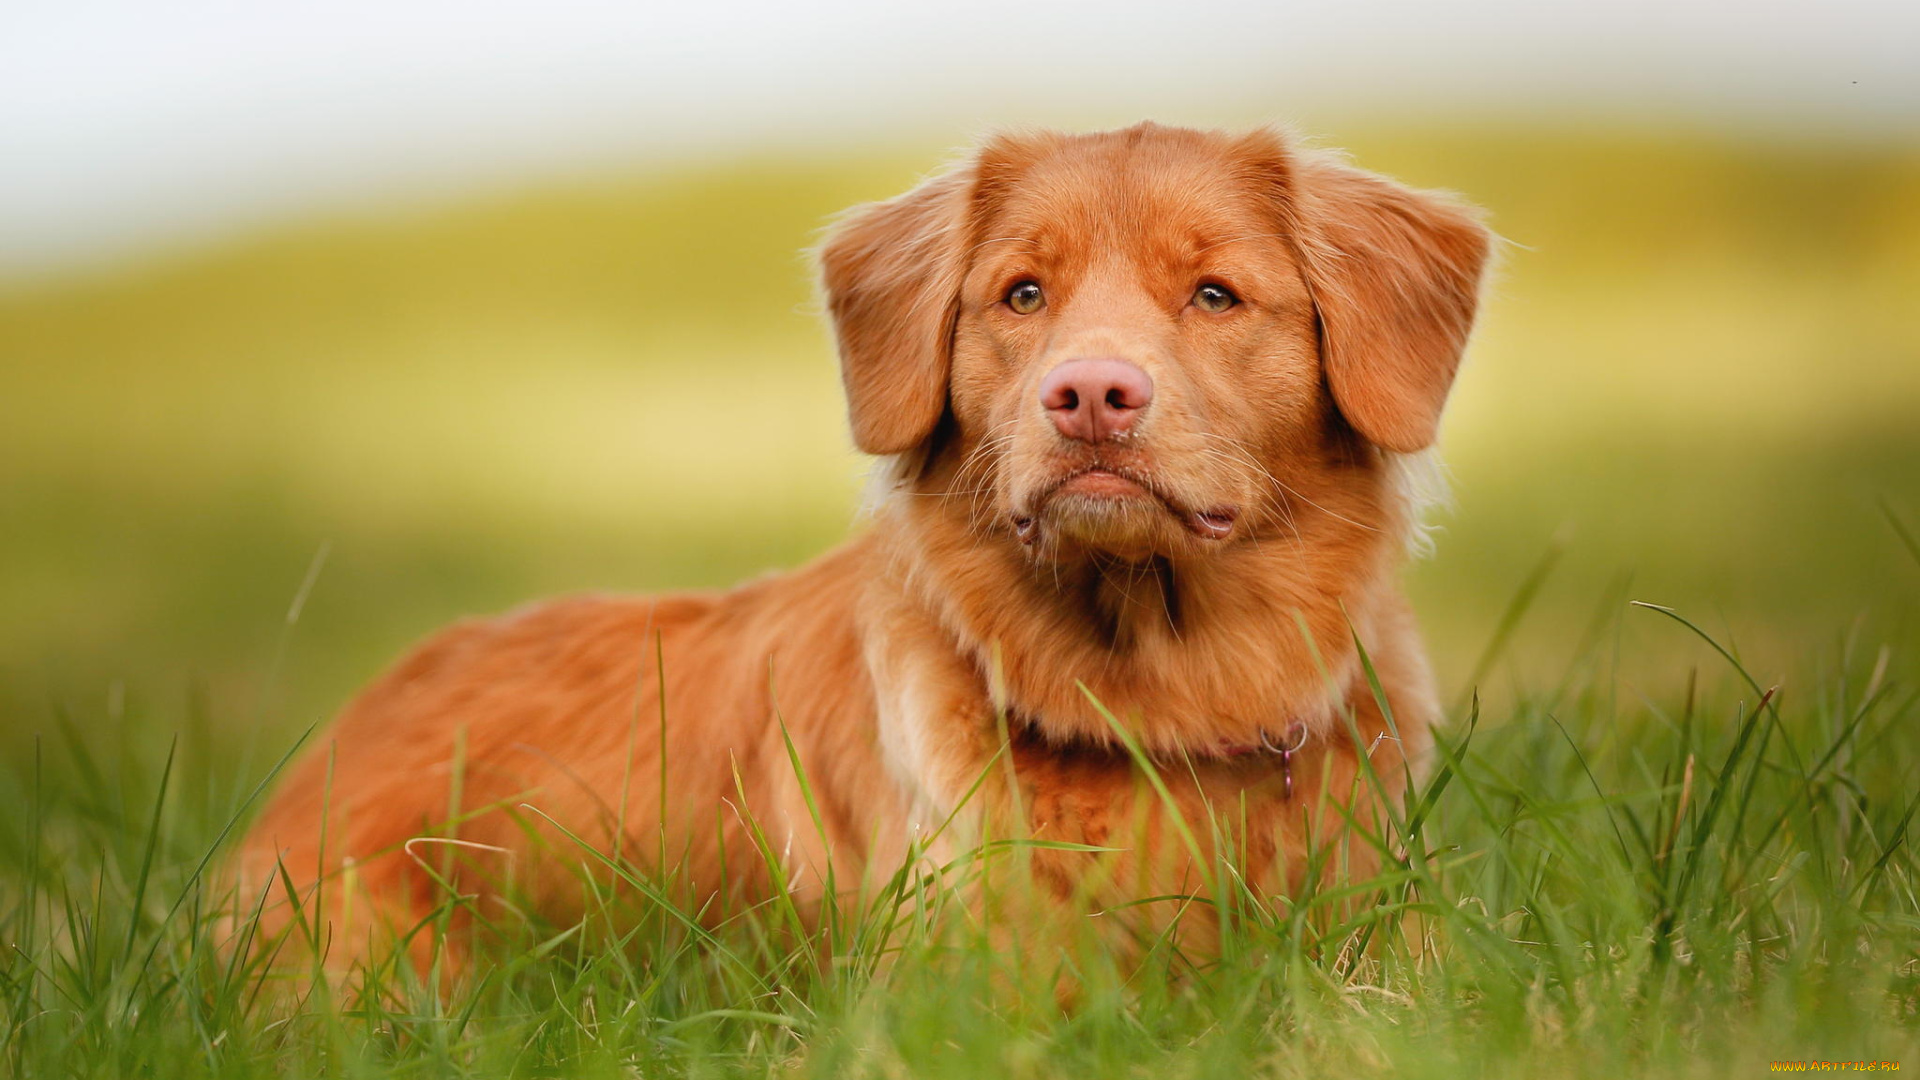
889	659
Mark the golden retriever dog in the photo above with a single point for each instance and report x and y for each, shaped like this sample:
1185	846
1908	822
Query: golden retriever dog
1146	403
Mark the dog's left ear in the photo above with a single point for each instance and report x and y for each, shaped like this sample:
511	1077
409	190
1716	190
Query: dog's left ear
892	274
1395	276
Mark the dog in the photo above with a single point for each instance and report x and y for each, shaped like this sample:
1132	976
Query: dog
1145	405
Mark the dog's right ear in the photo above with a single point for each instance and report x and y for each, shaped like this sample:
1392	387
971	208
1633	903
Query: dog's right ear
1395	275
892	275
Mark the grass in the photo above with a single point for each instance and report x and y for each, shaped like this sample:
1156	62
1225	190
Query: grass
1594	883
1647	849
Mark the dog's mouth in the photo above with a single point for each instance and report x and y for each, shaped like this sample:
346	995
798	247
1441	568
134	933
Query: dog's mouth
1107	491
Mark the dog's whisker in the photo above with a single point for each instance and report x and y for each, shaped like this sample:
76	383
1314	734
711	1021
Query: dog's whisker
1285	489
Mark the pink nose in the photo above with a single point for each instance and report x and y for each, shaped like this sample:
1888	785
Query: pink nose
1095	400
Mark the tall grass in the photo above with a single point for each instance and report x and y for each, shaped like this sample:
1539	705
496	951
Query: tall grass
1699	879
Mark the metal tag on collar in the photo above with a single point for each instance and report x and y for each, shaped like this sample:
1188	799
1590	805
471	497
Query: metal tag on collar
1296	738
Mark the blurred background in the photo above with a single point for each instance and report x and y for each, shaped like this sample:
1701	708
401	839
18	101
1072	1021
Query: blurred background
323	325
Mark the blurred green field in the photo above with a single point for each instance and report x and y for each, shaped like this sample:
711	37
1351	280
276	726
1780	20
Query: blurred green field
1698	372
235	482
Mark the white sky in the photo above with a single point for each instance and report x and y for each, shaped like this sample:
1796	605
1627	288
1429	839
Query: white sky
130	123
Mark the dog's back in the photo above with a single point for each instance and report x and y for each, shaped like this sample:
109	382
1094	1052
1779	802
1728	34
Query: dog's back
501	754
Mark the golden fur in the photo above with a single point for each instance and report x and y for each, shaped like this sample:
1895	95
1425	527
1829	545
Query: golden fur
999	587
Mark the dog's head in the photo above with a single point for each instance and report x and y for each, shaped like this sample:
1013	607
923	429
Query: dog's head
1122	342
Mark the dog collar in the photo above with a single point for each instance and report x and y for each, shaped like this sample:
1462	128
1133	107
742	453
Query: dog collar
1290	743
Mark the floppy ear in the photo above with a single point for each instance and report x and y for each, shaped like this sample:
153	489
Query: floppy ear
892	275
1395	276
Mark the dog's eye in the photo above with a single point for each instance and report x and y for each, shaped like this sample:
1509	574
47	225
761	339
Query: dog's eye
1214	298
1026	297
